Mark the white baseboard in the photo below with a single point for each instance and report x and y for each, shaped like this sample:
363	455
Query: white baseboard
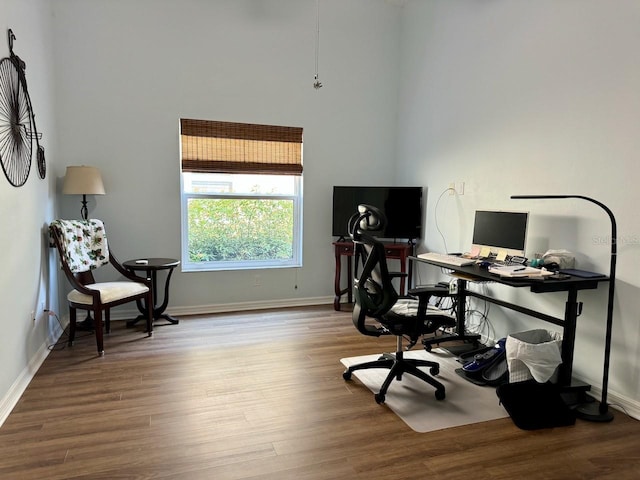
231	307
618	402
16	390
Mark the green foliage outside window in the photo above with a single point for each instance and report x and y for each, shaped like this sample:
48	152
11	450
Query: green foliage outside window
240	229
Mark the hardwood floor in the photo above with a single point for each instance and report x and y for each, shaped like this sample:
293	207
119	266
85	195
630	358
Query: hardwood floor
260	396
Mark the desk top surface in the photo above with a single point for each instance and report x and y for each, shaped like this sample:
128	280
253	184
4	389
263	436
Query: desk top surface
474	273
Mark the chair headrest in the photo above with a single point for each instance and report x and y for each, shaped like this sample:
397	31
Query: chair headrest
367	219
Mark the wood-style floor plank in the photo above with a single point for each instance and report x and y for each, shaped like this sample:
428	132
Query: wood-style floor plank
260	395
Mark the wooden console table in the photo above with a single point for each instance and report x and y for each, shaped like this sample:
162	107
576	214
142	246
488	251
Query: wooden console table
396	251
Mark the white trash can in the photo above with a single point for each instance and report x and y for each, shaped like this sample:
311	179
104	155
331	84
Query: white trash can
534	354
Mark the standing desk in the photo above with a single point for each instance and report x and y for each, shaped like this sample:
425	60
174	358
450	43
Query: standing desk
573	308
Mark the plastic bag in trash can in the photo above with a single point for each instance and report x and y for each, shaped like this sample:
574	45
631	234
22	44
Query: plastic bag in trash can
533	354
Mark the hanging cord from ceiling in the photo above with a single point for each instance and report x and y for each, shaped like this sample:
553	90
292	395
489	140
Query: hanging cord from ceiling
317	84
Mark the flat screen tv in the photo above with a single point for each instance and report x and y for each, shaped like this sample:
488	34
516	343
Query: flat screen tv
401	205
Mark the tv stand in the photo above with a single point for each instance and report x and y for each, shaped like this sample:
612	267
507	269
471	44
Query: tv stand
396	251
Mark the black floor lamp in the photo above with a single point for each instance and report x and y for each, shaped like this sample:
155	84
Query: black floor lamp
593	411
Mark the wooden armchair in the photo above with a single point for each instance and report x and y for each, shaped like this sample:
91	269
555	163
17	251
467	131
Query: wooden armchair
82	246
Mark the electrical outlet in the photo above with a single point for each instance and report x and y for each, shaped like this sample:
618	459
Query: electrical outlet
456	188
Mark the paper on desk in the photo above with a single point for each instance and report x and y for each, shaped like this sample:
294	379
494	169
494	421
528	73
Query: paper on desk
518	271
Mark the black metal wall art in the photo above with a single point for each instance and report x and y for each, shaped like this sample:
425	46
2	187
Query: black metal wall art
17	121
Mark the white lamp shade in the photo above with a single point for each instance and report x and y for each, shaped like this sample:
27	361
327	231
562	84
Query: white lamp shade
83	180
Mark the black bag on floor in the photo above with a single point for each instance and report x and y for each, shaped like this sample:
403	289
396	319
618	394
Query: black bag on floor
532	405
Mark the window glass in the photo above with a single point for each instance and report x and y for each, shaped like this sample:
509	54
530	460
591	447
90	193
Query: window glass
239	221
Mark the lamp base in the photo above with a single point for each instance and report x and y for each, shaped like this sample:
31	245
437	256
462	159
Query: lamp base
591	412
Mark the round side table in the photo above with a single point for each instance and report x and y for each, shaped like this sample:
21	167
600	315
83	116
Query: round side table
151	266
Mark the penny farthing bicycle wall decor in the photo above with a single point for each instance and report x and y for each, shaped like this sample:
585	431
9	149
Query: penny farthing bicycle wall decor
17	121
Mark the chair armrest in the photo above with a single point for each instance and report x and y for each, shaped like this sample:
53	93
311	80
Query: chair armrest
429	291
128	273
73	280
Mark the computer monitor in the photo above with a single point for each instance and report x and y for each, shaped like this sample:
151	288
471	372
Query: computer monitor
500	233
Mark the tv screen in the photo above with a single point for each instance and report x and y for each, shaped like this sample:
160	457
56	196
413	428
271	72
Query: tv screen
401	205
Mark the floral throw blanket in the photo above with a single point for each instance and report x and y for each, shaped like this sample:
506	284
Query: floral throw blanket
84	242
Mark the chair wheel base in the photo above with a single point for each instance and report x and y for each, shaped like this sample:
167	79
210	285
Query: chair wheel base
440	394
346	374
379	398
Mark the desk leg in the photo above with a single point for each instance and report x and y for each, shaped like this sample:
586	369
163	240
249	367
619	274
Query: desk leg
349	288
461	301
568	337
403	270
336	284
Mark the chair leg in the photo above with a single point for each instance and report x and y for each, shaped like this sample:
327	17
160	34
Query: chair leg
398	365
412	369
401	367
72	325
149	314
107	320
99	335
380	363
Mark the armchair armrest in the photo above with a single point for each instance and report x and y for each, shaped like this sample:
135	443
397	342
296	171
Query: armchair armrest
127	273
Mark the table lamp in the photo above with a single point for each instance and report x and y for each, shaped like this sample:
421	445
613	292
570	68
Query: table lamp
590	411
83	181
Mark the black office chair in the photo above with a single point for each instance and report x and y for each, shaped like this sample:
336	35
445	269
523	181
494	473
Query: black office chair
376	298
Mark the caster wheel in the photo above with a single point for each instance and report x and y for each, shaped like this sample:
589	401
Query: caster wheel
427	347
440	394
379	398
346	375
435	370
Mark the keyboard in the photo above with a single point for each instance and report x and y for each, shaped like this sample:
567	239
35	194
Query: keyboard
448	259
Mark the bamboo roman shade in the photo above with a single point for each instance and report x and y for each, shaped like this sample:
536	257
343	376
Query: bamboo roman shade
225	147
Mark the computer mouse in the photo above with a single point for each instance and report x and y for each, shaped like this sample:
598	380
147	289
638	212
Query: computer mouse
485	265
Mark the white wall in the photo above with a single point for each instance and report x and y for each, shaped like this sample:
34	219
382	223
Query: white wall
28	278
128	70
533	97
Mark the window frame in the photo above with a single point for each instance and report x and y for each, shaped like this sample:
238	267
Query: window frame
294	262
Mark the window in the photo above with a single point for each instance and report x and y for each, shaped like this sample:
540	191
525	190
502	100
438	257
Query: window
241	195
